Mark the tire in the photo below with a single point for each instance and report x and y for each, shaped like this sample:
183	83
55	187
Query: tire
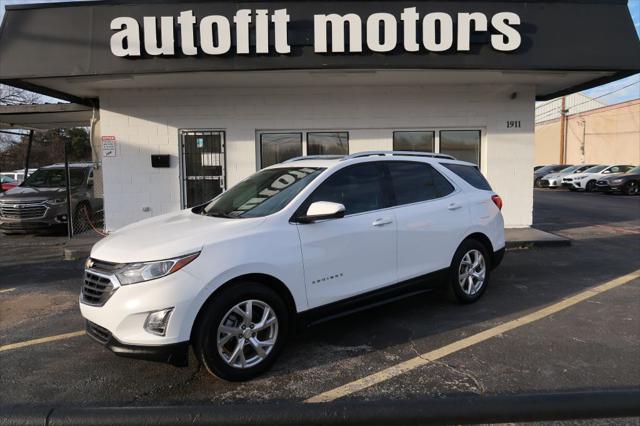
226	361
536	182
591	186
464	292
631	188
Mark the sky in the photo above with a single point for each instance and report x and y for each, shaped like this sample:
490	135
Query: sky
624	90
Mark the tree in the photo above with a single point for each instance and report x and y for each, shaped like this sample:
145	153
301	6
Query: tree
13	96
47	148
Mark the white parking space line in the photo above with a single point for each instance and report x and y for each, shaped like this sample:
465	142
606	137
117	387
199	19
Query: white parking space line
7	290
41	340
459	345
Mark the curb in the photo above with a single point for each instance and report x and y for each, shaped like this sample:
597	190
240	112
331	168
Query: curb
529	244
451	410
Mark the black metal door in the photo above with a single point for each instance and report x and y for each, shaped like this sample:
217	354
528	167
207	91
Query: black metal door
203	166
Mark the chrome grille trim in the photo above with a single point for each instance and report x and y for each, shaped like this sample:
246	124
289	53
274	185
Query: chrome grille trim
23	210
97	288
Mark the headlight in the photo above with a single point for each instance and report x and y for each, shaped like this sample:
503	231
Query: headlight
579	177
57	201
617	181
132	273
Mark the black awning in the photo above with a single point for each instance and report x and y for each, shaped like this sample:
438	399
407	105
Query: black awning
75	39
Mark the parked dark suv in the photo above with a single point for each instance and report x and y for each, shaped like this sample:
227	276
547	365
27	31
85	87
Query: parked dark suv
40	202
628	183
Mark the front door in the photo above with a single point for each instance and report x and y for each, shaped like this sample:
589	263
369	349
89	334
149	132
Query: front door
203	166
355	254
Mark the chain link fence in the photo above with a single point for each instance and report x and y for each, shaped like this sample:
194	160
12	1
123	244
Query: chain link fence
53	185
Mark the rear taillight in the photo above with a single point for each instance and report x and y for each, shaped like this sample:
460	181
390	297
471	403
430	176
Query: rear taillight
497	201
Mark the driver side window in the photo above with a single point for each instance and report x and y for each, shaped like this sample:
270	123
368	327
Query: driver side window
360	188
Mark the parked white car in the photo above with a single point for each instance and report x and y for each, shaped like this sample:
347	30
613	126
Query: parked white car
586	181
292	245
554	180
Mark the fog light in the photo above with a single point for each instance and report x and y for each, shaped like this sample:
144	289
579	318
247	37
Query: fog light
157	322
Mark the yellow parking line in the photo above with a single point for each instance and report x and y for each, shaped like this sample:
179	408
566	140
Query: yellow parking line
41	340
434	355
7	290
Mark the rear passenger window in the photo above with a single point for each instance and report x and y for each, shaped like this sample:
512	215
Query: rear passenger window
359	188
414	182
470	174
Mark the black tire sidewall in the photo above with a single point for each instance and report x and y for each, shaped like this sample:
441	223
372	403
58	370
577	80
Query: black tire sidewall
455	291
591	186
205	340
628	186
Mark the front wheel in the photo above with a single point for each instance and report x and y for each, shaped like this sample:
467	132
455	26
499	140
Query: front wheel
591	186
242	331
469	272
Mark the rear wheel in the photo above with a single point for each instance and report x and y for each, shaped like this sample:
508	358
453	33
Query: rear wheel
242	331
469	272
631	188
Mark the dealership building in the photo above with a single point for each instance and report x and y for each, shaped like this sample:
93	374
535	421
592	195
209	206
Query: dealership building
188	98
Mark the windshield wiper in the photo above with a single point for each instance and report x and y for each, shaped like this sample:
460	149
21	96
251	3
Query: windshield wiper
219	214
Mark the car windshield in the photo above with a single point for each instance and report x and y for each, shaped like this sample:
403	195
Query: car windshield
568	169
262	194
7	179
595	169
54	178
544	169
634	171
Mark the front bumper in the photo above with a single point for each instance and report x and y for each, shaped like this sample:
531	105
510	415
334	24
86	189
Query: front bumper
175	353
550	183
123	312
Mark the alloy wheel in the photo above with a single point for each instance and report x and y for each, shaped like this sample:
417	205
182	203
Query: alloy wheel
247	334
472	272
632	188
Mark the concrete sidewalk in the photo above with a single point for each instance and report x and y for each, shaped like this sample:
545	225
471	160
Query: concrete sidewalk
523	238
517	238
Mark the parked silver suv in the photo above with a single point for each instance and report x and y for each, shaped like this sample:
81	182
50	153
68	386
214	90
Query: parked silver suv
40	202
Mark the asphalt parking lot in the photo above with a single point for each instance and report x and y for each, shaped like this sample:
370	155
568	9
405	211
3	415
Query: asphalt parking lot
590	344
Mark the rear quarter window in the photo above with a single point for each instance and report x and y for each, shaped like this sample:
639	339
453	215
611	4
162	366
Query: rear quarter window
470	174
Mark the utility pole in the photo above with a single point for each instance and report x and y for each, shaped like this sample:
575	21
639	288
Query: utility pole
26	161
563	132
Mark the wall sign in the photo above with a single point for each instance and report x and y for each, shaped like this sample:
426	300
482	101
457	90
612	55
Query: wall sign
109	148
264	31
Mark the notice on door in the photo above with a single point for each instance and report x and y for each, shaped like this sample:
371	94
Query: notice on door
109	148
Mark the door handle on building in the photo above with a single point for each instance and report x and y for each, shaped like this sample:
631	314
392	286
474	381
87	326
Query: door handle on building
454	206
382	221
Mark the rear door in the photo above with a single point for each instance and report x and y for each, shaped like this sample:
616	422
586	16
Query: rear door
432	218
355	254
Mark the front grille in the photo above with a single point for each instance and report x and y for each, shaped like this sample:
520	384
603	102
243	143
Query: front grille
23	226
22	211
101	334
96	289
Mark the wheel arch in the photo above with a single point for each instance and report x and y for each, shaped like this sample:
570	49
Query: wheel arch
274	283
494	257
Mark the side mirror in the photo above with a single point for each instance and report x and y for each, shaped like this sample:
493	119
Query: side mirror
322	210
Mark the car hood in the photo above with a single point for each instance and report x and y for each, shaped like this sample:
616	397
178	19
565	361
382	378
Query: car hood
168	236
619	175
555	175
27	193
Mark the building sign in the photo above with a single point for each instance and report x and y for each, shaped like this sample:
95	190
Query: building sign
109	148
264	31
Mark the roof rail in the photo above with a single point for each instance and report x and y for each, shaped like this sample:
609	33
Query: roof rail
402	153
314	157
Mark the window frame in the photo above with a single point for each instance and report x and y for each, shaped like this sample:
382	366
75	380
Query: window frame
478	131
433	132
387	191
311	132
284	132
395	203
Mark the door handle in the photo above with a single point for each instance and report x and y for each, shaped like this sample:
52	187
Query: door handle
454	206
382	221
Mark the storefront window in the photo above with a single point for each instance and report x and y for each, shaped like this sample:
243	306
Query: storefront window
278	147
327	143
464	145
414	141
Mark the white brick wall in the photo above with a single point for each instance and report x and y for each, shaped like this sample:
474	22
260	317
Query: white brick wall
147	122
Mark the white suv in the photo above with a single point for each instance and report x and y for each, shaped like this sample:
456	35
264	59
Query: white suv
291	245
